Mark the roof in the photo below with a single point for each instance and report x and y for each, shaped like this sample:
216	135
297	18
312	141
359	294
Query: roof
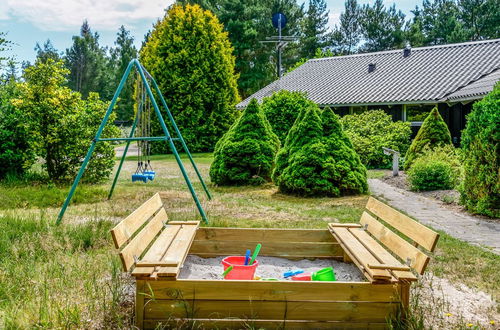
428	75
476	89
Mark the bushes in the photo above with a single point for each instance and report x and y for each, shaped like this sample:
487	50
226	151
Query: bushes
282	108
370	131
245	154
318	158
480	191
433	133
190	56
435	169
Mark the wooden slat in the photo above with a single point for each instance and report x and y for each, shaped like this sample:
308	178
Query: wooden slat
345	225
359	253
142	240
196	223
126	228
396	244
158	249
273	249
382	255
389	267
264	235
277	310
274	291
425	237
152	263
260	324
178	250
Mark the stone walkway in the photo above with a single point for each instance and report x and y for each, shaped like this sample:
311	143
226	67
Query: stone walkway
464	227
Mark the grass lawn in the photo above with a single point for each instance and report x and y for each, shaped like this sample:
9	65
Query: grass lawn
69	276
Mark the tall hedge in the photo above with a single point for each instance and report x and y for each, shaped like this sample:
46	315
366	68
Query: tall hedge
318	158
245	154
480	191
433	133
282	108
190	56
371	130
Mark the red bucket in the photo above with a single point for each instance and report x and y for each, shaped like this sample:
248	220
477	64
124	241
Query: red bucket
240	271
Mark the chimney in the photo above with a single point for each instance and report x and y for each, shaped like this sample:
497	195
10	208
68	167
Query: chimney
371	67
407	50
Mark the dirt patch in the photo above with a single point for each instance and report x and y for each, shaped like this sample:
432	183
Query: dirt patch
269	267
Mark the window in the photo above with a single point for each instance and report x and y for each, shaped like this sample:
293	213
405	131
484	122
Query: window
418	112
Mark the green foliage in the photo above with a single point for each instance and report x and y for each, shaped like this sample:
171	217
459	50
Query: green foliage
433	133
314	28
435	169
318	158
16	153
191	59
370	131
480	191
282	108
245	154
61	124
347	35
47	51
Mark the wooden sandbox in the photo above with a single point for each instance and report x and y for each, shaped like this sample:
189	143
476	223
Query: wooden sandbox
155	255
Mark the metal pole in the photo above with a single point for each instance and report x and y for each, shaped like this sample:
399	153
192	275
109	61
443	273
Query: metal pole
178	132
279	46
171	143
94	141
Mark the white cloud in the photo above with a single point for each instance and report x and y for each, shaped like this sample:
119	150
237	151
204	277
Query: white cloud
63	15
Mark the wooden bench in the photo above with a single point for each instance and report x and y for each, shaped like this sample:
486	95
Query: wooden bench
155	247
375	248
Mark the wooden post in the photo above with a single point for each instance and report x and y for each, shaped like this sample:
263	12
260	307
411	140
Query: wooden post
139	304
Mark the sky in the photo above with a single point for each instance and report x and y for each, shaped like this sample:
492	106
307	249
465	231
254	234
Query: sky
30	21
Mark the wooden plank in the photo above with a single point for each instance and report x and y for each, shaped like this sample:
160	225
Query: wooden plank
142	240
158	249
139	304
269	248
264	235
126	228
389	267
272	310
345	225
178	250
259	324
396	244
196	223
151	263
425	237
357	251
274	291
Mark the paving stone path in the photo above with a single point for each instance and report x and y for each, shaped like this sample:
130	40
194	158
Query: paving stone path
464	227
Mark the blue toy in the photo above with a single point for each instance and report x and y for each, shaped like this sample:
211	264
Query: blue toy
292	273
247	257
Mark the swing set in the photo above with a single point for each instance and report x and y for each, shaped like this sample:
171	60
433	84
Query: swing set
146	105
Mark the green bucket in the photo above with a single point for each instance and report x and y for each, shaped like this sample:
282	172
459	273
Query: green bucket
325	274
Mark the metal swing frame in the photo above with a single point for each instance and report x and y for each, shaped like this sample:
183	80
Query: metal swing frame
167	137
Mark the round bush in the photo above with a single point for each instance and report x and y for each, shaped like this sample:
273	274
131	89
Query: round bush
245	154
318	158
480	191
282	109
433	133
370	131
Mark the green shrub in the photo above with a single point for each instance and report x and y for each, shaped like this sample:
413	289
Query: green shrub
245	154
435	169
370	131
480	191
282	109
191	58
16	153
433	133
318	158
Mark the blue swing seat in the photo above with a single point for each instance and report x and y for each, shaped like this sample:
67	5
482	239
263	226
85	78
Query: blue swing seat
150	175
139	177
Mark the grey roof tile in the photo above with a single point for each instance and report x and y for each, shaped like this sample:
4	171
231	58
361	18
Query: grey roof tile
427	75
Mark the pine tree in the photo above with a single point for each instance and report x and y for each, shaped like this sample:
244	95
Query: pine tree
433	133
349	31
121	55
191	59
245	154
47	51
314	28
318	158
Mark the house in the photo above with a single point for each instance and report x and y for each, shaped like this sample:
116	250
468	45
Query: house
406	83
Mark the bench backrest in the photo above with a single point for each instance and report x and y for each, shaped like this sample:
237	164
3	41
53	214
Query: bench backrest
415	232
134	233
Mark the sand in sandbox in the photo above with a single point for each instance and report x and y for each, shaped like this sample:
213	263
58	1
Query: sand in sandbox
269	267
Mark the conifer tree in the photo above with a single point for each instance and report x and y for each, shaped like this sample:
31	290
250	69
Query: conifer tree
245	154
318	158
433	133
314	28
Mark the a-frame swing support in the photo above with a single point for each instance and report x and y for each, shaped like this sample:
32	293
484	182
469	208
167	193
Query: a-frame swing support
167	137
